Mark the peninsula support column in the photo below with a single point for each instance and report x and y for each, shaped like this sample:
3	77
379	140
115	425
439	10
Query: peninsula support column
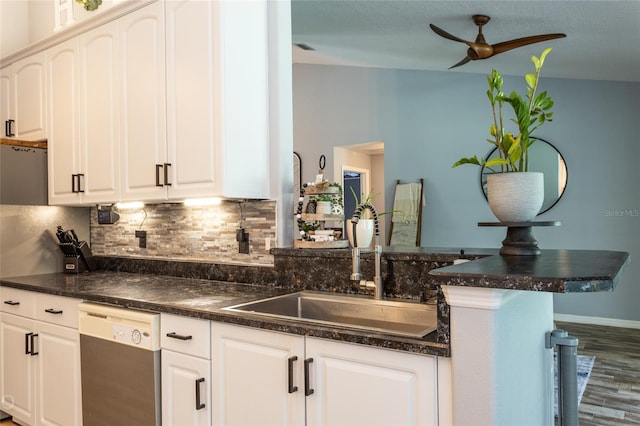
502	374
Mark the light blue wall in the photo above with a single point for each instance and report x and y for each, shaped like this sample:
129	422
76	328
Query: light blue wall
430	119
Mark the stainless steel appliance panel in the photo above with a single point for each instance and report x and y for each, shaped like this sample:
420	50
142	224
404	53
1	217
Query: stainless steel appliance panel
114	373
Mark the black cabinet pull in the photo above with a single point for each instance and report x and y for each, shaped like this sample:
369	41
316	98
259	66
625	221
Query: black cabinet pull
11	302
53	311
26	343
75	178
8	131
290	361
307	386
174	335
199	404
32	339
80	182
166	174
158	167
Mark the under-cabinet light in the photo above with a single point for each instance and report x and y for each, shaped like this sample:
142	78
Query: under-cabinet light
130	206
192	202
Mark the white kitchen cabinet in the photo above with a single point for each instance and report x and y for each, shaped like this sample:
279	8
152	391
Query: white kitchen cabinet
344	383
358	385
22	89
64	151
82	81
186	370
217	98
143	142
251	376
40	359
6	96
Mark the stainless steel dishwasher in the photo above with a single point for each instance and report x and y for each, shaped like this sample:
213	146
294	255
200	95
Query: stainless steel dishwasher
120	365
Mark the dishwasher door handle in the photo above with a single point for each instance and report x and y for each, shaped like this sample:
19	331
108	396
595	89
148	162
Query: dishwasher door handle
199	404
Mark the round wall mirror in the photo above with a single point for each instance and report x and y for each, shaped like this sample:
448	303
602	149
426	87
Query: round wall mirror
545	158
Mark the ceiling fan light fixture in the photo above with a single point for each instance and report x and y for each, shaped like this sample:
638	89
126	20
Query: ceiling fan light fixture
480	49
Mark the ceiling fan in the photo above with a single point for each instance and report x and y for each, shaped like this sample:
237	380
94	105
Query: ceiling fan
480	49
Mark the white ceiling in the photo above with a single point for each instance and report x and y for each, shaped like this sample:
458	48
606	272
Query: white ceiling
602	43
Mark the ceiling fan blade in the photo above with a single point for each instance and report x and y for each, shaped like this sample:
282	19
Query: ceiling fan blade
462	62
445	34
519	42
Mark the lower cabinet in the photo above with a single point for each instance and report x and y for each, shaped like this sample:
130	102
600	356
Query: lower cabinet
263	377
186	371
40	362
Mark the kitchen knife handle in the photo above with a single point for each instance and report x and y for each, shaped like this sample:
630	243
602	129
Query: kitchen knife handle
175	335
166	174
53	311
8	131
199	404
290	361
307	386
158	167
11	302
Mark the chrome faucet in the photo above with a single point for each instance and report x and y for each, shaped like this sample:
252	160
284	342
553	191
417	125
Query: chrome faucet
376	284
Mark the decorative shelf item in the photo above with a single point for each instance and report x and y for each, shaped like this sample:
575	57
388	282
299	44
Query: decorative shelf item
520	240
312	223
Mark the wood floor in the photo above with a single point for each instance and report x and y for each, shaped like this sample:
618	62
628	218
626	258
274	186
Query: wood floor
612	395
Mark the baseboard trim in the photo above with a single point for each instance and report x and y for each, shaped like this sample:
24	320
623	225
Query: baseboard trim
611	322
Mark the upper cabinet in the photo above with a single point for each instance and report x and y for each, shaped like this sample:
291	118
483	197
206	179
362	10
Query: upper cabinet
165	102
23	98
217	98
143	141
83	138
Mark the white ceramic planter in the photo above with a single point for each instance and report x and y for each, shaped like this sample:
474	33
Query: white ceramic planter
364	231
515	197
323	207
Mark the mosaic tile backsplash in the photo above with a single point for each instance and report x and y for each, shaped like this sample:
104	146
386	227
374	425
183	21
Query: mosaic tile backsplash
175	231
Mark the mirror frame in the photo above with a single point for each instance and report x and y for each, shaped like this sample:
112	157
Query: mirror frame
563	161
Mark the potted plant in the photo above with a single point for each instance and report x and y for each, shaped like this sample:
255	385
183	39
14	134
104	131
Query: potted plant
366	226
514	193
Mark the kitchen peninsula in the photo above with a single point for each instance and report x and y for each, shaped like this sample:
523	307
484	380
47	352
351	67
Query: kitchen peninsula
494	312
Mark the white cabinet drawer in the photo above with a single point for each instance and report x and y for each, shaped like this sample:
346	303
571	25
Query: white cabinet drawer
190	336
57	310
18	302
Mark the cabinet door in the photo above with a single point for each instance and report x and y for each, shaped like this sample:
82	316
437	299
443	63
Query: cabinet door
17	368
63	141
358	385
186	389
6	96
29	97
251	378
193	131
142	104
99	117
58	386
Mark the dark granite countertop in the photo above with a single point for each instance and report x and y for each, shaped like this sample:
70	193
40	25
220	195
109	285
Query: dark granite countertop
205	299
559	271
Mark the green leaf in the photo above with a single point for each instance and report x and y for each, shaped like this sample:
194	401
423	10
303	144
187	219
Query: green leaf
468	160
496	162
531	80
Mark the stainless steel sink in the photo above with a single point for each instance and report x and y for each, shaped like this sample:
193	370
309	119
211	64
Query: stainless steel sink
402	318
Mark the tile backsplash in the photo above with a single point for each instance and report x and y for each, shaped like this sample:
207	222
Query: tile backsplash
175	231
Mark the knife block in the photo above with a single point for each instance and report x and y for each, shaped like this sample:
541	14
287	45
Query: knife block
77	258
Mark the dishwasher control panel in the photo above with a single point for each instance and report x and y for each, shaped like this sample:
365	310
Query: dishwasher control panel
135	336
127	326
